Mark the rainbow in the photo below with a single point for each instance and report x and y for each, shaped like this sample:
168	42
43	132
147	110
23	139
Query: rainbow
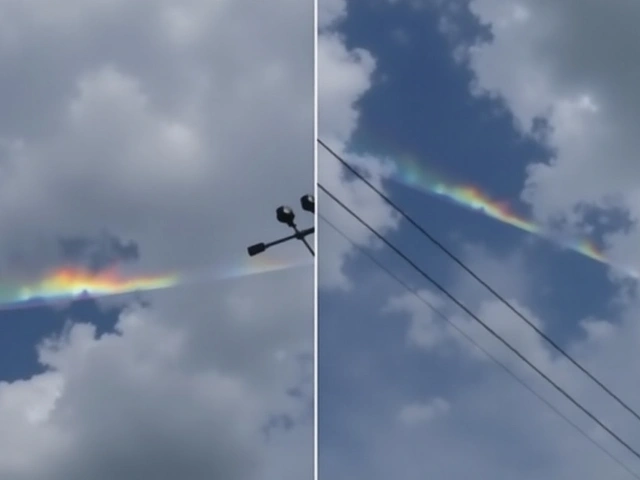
409	173
70	283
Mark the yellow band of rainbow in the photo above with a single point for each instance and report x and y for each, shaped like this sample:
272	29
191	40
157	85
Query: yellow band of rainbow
413	175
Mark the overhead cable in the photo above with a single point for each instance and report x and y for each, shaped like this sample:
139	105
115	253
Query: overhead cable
484	325
476	277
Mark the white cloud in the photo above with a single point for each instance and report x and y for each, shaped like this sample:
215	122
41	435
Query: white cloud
331	12
130	395
430	331
495	417
180	126
568	62
344	76
426	329
414	414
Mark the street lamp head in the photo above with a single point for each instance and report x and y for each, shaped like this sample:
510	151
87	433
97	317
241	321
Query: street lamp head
308	203
285	215
256	249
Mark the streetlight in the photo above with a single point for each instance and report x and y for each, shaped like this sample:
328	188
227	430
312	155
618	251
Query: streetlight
308	203
286	215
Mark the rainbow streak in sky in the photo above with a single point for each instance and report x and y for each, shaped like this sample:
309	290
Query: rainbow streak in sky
66	284
411	174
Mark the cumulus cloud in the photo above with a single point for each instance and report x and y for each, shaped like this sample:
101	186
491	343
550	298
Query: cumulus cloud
561	63
344	76
414	414
426	328
494	416
177	127
330	12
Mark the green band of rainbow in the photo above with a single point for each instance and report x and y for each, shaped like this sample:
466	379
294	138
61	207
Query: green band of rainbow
413	175
68	283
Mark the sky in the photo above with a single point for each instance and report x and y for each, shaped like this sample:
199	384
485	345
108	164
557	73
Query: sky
156	137
522	100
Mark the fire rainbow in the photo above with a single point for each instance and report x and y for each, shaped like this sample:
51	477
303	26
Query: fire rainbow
411	174
70	283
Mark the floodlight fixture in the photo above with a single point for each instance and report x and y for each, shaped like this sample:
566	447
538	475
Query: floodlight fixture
285	215
256	249
308	203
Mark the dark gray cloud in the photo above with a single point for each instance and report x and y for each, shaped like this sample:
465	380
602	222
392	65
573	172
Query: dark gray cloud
100	252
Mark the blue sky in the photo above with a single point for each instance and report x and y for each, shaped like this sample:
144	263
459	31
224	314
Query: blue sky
421	106
23	329
419	103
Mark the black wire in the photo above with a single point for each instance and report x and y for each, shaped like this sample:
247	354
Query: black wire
461	332
482	282
481	322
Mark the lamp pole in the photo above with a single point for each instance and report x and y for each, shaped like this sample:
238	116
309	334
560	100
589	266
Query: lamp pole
285	215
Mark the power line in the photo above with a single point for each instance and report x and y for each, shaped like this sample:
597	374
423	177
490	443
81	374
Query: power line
481	281
493	358
451	297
